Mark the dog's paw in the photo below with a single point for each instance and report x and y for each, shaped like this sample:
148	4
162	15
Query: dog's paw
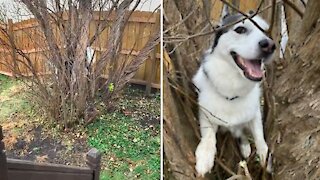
262	151
205	157
245	150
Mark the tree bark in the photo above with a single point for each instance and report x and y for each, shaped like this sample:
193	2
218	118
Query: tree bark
178	135
297	94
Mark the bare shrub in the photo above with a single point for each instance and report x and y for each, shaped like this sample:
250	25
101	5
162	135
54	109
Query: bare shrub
75	83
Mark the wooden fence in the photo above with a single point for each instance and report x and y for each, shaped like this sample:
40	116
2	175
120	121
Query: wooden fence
13	169
27	37
243	5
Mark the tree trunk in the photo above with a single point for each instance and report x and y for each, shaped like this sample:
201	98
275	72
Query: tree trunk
297	93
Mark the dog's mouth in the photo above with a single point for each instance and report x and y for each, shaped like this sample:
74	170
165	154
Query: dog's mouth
251	67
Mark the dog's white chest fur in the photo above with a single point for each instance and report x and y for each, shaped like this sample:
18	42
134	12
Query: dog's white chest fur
216	88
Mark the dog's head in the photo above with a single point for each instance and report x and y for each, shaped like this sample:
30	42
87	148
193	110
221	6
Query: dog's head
247	47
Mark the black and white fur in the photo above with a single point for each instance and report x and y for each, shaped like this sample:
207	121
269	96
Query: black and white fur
229	88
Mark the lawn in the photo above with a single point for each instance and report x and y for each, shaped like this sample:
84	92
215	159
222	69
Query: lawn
11	98
128	136
130	150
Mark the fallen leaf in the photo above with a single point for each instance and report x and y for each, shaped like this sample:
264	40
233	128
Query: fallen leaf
127	113
41	159
10	141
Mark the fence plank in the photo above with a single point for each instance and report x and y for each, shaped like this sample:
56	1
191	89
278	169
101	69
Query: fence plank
3	159
13	50
35	175
16	164
28	170
152	71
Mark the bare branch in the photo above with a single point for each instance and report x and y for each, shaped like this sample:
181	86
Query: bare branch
294	7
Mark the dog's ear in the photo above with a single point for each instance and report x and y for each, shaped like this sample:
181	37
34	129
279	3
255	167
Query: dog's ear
224	13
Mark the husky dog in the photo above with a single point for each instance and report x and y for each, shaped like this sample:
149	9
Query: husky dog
228	82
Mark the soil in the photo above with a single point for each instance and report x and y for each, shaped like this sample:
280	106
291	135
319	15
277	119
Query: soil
34	142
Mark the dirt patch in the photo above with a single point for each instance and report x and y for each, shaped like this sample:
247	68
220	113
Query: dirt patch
38	145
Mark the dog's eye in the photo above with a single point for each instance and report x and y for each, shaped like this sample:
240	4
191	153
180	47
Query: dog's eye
241	30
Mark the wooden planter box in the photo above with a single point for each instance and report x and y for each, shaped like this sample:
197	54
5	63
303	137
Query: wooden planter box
13	169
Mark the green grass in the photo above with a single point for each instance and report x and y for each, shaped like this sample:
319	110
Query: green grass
131	152
12	100
5	83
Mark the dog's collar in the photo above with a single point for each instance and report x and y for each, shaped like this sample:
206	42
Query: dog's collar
231	99
226	97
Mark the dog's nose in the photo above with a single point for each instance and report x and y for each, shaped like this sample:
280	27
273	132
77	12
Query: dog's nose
267	46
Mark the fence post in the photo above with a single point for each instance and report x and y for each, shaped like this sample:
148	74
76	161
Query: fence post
93	160
3	159
13	50
152	72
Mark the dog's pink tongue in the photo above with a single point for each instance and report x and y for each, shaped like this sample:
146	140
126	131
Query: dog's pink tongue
253	67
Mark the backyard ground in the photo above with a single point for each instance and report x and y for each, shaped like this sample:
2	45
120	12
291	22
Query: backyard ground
128	137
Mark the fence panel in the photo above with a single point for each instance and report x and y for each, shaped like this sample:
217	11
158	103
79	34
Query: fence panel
243	5
29	38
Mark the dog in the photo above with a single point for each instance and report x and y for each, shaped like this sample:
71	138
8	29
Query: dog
228	84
